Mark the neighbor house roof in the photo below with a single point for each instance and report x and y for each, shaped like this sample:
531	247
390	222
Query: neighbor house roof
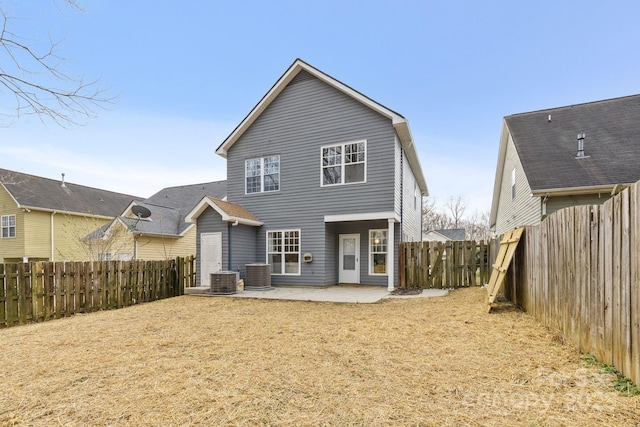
400	124
230	212
169	207
456	234
38	193
546	142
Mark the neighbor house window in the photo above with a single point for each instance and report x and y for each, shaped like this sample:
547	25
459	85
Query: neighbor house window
513	183
344	163
8	226
262	175
283	251
378	252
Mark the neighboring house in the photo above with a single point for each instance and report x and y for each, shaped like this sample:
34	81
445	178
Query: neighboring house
560	157
164	233
322	184
445	235
45	220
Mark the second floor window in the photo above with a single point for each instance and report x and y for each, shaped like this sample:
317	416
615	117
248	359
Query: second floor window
344	163
8	226
262	175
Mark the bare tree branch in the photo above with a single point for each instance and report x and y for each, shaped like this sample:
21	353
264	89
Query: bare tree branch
37	84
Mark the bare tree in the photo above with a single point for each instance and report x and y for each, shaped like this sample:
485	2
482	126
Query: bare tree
456	206
432	218
32	80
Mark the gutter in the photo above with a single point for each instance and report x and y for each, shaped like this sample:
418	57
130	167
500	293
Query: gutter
572	191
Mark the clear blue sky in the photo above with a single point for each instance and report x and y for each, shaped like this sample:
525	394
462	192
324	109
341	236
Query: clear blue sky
186	73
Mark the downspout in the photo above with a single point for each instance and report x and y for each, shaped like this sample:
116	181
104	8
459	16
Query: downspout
51	257
229	264
230	225
135	246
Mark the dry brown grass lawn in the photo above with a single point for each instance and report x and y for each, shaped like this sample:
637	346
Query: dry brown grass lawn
224	361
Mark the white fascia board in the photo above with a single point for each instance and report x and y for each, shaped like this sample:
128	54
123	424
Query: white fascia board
368	216
297	66
202	205
404	133
206	202
574	191
11	195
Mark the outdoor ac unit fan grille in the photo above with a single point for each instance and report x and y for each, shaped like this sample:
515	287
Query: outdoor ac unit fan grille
224	283
258	276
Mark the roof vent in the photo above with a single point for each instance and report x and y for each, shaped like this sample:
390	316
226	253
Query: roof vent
62	185
549	118
580	153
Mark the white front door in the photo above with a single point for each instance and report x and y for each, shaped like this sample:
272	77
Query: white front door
349	269
210	256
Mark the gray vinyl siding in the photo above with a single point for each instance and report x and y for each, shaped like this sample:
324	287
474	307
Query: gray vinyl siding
307	115
362	228
243	248
525	209
398	160
556	203
243	242
411	209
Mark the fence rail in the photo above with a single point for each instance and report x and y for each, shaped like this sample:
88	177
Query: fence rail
41	291
579	272
444	264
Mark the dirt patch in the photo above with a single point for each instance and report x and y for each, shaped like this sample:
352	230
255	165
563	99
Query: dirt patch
227	361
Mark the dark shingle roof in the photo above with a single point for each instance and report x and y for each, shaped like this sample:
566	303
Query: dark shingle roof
547	149
170	205
49	194
456	234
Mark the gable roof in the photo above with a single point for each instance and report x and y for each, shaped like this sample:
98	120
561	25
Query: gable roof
456	234
546	143
169	207
547	149
38	193
400	124
230	212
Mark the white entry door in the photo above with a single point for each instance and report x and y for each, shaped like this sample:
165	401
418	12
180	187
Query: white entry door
349	258
210	256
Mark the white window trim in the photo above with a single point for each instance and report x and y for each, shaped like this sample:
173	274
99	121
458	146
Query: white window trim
371	272
342	144
284	253
262	190
15	226
513	183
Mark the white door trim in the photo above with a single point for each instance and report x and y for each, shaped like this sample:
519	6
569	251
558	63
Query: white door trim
349	275
210	256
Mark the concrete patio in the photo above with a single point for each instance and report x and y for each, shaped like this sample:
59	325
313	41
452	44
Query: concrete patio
347	294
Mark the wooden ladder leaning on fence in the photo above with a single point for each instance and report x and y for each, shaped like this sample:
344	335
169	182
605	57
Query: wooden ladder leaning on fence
505	255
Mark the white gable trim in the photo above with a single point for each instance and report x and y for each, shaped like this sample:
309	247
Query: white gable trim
205	203
400	124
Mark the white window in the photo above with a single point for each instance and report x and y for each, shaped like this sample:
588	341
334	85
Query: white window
344	163
513	184
378	252
262	175
283	251
8	226
104	256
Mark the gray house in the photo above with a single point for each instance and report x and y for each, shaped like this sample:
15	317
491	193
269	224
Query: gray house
559	157
322	184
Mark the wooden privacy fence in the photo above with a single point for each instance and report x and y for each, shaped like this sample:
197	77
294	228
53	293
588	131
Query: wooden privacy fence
41	291
579	272
443	265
